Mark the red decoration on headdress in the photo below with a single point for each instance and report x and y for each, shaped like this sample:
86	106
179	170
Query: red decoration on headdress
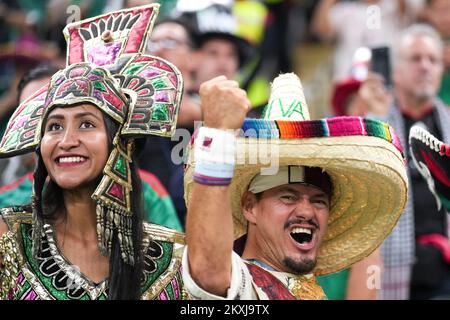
128	27
113	100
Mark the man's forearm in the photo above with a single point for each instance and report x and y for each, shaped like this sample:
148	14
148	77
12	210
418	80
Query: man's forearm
209	228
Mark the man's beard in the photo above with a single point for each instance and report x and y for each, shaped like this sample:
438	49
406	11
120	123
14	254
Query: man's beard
424	94
300	267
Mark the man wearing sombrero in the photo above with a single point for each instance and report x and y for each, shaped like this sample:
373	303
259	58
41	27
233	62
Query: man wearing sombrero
338	191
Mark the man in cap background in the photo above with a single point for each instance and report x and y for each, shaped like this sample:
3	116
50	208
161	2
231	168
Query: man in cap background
220	50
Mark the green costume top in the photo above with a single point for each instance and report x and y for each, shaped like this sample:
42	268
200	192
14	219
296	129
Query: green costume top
51	277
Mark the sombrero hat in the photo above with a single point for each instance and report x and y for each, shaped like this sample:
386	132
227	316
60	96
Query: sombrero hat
363	158
432	158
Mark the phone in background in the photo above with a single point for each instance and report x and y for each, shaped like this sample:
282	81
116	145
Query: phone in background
381	64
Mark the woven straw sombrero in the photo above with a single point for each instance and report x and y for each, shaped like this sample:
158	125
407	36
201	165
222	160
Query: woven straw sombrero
363	157
432	158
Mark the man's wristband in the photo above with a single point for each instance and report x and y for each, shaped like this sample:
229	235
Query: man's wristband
214	156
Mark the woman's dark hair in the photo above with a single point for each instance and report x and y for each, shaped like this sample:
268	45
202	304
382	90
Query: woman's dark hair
124	279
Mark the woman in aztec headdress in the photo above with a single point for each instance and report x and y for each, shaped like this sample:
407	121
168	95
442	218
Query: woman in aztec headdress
83	236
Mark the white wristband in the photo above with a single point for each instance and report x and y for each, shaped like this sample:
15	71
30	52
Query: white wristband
214	156
215	146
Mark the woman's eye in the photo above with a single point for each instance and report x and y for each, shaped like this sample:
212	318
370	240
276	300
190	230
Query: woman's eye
54	127
86	125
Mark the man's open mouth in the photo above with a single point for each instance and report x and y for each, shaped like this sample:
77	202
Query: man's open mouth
302	235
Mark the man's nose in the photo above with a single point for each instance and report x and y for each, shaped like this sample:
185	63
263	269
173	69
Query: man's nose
304	209
426	63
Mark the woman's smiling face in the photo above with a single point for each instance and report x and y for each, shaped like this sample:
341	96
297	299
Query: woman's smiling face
74	146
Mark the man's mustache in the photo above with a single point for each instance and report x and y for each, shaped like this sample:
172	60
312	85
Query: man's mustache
311	222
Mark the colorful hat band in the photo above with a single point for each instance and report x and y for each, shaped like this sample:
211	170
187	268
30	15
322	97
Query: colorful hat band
292	174
332	127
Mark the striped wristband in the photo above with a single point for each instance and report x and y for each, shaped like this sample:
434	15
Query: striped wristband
214	157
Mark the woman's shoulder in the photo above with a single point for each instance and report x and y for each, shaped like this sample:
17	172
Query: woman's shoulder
156	232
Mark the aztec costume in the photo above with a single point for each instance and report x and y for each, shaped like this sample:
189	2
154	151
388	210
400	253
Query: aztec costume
106	67
363	162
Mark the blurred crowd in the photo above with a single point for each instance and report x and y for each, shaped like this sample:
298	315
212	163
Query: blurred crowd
388	59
